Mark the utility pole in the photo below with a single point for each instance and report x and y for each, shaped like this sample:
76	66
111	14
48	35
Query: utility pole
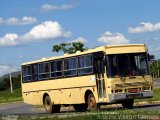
10	75
10	78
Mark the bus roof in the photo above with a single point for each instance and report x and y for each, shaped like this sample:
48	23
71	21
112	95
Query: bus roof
108	49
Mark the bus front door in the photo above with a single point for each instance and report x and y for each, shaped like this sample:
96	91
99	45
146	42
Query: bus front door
100	81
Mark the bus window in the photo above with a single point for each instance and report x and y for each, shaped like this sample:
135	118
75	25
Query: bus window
141	64
56	68
85	64
132	64
43	71
26	73
70	66
35	72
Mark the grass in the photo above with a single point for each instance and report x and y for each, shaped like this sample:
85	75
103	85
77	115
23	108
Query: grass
115	114
156	96
6	96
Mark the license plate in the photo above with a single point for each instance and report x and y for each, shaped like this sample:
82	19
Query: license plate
132	90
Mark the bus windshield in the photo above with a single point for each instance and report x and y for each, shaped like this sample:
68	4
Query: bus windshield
132	64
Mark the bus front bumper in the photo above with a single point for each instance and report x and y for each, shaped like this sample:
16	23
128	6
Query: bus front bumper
124	96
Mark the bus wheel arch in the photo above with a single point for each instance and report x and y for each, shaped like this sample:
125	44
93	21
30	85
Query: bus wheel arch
87	93
90	100
44	96
49	106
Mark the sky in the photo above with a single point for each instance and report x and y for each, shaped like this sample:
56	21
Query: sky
29	28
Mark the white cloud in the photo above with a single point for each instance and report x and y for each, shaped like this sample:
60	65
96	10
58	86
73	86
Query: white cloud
156	38
113	38
9	40
15	21
28	20
67	34
157	49
144	27
1	21
12	21
44	31
48	7
5	69
79	39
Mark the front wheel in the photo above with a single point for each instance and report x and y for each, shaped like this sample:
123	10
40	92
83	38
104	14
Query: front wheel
50	108
128	103
92	105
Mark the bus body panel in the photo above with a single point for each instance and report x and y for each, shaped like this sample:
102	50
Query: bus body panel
125	49
61	91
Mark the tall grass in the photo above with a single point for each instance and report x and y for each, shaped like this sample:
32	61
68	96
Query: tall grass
6	96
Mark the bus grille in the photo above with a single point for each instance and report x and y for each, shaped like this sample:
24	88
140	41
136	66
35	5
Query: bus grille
132	84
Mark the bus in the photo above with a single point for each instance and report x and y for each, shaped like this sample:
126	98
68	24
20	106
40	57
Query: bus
86	80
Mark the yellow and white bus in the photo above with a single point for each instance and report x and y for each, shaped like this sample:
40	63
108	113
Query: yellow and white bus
86	80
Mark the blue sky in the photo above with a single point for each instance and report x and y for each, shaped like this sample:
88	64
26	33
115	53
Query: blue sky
29	28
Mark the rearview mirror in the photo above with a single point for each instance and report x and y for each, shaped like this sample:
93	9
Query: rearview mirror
151	57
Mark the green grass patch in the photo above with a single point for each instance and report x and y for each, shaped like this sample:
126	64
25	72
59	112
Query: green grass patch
6	96
156	96
113	114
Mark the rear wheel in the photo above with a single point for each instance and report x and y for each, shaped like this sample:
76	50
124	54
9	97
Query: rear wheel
50	108
80	107
92	105
128	103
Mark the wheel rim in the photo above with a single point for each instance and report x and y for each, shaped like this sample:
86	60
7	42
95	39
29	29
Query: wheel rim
92	103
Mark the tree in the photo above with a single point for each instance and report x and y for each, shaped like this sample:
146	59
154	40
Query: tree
69	47
155	69
5	83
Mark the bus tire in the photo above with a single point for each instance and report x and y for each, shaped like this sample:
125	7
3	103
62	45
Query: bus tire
128	103
80	107
50	108
92	105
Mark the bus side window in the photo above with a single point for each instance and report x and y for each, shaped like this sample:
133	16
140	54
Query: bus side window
56	68
85	64
35	72
70	66
26	73
43	70
40	71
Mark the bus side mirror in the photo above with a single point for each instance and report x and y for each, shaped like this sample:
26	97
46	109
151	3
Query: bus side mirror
151	57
